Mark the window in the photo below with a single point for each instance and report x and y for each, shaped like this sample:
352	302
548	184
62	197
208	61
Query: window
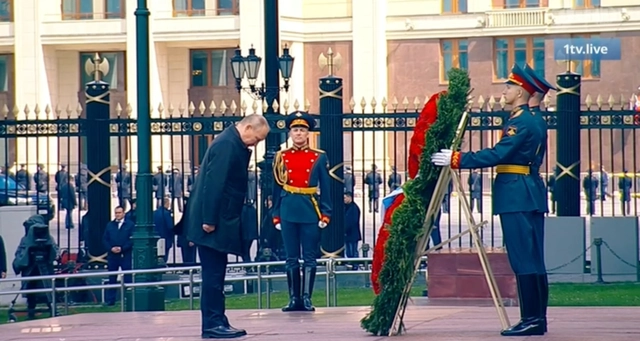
5	69
209	67
77	9
188	8
454	54
114	9
521	3
586	3
116	75
454	6
229	7
589	68
6	10
520	50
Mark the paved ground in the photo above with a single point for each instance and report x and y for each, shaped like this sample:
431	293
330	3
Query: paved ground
423	323
450	224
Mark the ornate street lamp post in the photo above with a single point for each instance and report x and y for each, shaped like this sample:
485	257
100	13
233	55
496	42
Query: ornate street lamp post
269	91
144	238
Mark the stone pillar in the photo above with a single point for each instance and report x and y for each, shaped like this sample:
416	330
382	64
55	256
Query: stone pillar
331	141
98	166
567	188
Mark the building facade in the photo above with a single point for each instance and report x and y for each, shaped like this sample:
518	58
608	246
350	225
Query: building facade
390	49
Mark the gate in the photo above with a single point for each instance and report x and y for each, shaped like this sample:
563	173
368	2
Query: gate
99	154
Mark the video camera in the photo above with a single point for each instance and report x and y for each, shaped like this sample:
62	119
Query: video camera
39	251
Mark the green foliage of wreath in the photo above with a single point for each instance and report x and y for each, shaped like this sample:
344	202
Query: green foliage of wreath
408	219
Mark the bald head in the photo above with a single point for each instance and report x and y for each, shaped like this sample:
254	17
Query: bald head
255	121
253	129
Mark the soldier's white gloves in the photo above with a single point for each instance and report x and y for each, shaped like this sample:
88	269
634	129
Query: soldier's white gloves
442	158
278	227
322	224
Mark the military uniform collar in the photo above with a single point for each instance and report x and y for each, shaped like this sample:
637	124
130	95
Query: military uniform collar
303	147
517	111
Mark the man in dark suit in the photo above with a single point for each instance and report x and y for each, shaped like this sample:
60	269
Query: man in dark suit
215	211
301	207
163	221
117	239
352	234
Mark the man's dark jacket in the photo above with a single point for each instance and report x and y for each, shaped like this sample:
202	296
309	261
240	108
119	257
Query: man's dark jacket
3	257
119	237
352	232
219	192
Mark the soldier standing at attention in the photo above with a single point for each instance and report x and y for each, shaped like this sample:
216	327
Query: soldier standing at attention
299	211
513	156
543	202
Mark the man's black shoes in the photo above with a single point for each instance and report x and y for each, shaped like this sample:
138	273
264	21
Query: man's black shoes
222	332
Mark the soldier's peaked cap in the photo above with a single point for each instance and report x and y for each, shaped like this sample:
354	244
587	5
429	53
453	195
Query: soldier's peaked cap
522	79
300	119
540	81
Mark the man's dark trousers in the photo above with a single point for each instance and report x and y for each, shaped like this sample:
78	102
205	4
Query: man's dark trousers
214	269
116	262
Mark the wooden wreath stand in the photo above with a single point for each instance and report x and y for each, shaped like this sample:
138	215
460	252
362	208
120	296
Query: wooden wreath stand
447	174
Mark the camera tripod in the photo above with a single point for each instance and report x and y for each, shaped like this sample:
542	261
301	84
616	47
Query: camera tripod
39	298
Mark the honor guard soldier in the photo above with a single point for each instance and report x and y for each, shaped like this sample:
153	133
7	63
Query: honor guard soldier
543	201
301	207
513	156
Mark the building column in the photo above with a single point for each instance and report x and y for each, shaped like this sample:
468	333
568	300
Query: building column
252	33
32	85
370	73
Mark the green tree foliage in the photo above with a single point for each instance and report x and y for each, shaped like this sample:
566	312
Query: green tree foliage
408	219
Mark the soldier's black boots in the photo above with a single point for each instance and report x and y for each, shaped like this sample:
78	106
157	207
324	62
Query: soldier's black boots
295	300
308	279
543	284
531	322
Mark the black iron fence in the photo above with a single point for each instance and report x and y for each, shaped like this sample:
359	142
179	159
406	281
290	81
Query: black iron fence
50	157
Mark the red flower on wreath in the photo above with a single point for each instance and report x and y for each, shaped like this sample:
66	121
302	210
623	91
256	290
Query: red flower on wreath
427	117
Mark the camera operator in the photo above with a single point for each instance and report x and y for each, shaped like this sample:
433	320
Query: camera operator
34	257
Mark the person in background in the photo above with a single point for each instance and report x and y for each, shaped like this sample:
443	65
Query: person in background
395	179
176	188
3	259
163	222
117	239
551	187
270	237
82	186
123	186
23	178
61	177
475	188
590	187
187	248
67	199
131	213
349	180
352	233
249	228
624	186
373	180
